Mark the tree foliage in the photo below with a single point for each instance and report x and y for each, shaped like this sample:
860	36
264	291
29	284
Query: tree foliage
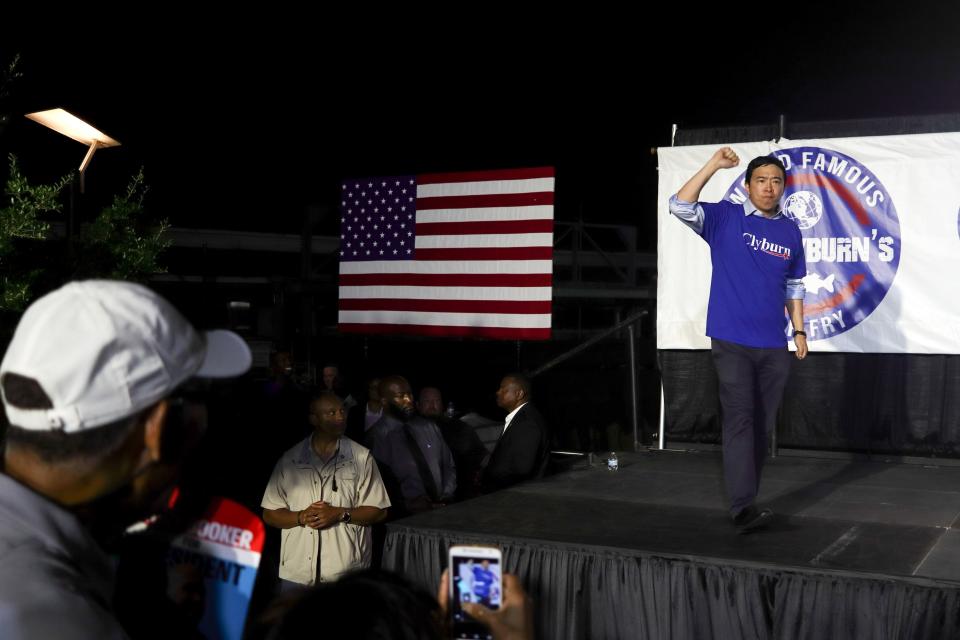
24	218
119	242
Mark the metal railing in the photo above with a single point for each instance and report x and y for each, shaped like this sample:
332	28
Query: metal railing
630	325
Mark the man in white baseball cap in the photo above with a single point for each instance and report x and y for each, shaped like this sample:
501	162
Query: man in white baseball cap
92	388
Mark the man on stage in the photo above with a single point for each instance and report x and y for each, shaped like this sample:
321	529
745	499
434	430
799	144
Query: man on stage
758	266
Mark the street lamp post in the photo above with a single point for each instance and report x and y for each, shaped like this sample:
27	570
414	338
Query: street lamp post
66	123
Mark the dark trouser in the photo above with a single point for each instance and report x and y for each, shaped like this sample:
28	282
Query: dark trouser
751	386
289	585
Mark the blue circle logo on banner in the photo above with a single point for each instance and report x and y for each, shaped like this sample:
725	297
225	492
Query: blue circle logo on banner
851	236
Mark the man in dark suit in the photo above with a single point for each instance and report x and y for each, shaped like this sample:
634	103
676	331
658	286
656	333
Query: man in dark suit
411	452
523	449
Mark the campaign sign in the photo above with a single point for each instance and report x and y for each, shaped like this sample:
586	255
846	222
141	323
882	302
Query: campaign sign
212	567
851	236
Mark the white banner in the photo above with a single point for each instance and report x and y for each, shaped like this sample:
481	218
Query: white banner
879	218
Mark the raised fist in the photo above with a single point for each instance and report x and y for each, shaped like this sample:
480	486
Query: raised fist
726	158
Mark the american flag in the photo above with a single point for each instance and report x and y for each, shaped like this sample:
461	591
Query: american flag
448	254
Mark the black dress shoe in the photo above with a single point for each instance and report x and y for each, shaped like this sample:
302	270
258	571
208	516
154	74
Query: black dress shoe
751	519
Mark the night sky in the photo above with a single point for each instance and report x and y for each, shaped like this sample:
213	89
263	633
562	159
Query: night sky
243	122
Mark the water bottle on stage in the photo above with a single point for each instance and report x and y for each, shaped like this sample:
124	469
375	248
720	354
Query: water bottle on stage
612	463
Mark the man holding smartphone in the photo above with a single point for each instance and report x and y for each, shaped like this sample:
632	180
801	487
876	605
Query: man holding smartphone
474	578
502	610
382	604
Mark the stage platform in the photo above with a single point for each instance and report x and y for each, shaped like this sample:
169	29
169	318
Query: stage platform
857	549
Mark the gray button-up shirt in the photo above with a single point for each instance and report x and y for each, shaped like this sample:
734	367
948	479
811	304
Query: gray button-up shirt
55	581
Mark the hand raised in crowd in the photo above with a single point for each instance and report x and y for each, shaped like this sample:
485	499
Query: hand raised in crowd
512	621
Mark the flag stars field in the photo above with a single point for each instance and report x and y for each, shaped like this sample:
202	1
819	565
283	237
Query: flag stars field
476	259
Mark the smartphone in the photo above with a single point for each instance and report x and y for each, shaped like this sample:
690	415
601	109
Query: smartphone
475	576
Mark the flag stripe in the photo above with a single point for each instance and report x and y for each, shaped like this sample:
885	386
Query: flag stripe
503	320
481	188
484	241
478	176
505	253
456	306
489	200
447	293
495	333
447	279
485	213
484	267
484	227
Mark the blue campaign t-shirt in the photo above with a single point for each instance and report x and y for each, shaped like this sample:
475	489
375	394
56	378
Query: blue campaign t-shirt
483	579
752	258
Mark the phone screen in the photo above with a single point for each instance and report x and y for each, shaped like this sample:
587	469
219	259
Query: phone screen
474	577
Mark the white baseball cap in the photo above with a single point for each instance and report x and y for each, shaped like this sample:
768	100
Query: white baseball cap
103	350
